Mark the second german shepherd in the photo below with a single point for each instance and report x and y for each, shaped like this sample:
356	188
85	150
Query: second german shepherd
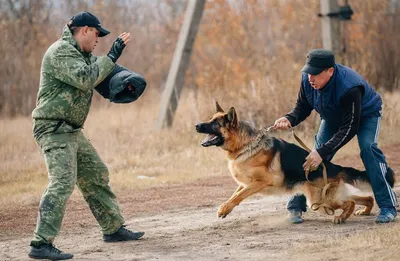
261	163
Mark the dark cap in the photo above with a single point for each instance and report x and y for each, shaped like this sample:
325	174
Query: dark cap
88	19
318	60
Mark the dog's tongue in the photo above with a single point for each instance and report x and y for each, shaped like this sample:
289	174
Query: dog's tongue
208	140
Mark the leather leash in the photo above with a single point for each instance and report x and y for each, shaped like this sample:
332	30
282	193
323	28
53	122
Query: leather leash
324	189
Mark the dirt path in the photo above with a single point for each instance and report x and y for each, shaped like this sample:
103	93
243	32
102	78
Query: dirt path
181	224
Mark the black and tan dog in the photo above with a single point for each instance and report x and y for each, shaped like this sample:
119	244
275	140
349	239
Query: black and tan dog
260	163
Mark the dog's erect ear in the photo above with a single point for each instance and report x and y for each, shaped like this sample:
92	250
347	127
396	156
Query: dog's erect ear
232	117
218	108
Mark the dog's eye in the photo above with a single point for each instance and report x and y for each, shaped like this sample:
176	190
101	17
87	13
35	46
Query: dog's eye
217	123
221	122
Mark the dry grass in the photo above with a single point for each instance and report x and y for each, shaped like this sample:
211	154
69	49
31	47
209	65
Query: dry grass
376	243
139	156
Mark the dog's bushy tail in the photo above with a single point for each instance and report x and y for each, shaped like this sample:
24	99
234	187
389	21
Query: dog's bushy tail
390	177
353	175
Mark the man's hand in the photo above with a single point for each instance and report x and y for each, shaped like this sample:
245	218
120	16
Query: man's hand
118	46
282	124
312	161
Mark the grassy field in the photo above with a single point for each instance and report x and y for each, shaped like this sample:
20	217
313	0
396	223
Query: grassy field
140	156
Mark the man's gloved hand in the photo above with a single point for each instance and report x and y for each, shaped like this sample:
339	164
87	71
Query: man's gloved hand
118	46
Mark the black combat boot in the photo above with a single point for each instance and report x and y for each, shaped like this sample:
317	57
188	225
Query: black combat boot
48	251
122	234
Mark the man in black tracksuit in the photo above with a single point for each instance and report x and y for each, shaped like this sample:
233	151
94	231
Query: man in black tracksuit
348	106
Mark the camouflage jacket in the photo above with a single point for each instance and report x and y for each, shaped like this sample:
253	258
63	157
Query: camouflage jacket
67	78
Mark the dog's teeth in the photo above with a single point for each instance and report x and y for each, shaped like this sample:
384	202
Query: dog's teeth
211	139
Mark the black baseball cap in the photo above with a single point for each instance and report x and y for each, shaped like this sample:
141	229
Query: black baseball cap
318	60
88	19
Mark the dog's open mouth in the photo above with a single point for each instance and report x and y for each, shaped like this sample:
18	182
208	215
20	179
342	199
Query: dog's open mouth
211	139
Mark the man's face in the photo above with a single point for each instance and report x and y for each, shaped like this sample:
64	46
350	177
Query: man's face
90	39
320	80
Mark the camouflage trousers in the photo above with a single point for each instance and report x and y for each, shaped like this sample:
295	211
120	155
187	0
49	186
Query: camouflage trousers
71	159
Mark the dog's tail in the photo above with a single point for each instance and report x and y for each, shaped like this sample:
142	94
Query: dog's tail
390	177
352	175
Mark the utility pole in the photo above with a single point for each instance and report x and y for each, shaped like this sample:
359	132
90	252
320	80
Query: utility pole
393	5
330	25
180	63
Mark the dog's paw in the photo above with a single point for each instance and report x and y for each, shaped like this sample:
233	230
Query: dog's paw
338	220
225	209
362	212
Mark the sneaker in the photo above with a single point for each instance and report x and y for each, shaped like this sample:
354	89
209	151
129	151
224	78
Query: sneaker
295	216
122	234
386	215
48	251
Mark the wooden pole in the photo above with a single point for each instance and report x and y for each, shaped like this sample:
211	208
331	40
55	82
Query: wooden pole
330	26
393	5
180	63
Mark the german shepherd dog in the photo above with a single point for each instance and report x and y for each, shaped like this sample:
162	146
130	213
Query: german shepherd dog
261	163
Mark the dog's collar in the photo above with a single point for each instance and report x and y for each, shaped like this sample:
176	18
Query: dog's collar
261	141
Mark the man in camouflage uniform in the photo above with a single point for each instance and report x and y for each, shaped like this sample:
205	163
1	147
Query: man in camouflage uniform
69	73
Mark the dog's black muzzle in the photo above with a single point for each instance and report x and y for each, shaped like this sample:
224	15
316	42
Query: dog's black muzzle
203	128
213	135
